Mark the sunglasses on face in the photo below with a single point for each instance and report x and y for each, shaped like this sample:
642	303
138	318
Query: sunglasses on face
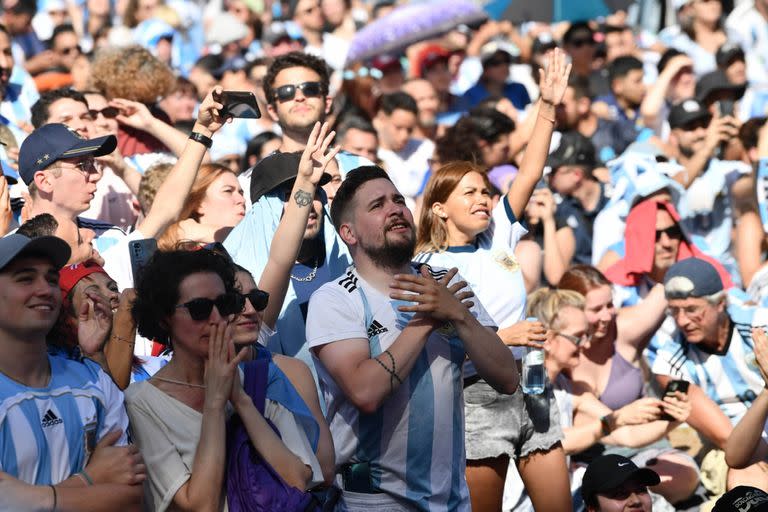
107	112
578	43
673	232
308	89
258	299
226	304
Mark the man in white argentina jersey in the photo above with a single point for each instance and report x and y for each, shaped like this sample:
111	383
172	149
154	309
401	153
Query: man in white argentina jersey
62	422
712	348
389	340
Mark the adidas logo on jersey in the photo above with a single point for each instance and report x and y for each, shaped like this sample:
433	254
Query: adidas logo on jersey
375	329
50	419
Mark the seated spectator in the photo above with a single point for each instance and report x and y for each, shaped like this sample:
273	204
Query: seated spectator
359	137
85	463
676	82
428	103
613	482
179	104
625	75
63	49
711	348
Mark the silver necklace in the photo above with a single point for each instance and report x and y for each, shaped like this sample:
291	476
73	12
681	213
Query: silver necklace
181	382
309	276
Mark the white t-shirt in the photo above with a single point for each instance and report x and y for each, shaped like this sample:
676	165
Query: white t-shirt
408	167
490	267
415	441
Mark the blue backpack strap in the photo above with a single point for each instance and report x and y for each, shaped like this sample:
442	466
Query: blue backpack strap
256	374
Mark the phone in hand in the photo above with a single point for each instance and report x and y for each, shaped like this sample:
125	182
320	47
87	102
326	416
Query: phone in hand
241	104
672	387
141	252
724	108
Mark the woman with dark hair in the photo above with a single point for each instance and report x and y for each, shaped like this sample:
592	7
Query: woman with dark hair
190	300
460	227
611	367
702	35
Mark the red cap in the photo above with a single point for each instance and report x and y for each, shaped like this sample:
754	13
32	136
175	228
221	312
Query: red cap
72	274
428	57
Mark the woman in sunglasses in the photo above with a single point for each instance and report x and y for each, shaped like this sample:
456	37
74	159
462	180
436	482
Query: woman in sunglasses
585	420
191	301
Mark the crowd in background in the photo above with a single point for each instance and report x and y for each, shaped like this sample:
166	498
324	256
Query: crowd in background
335	305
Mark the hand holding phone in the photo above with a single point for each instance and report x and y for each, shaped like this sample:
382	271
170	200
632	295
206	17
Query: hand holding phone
674	386
241	104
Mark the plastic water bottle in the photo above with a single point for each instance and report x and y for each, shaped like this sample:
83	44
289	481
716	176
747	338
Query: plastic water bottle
533	369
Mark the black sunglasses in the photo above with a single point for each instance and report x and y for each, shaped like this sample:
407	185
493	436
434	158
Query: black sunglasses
258	298
578	43
108	112
226	304
308	89
672	232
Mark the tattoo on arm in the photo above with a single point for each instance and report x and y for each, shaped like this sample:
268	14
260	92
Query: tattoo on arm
302	198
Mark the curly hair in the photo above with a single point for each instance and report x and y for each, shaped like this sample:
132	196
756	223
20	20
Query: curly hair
295	60
131	73
157	292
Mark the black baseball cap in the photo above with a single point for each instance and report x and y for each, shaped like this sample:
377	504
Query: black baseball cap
51	247
727	53
715	82
742	498
686	112
574	149
608	472
54	142
275	171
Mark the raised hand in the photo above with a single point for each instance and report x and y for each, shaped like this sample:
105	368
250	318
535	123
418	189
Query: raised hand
208	115
133	113
94	322
316	155
432	298
110	464
553	79
221	366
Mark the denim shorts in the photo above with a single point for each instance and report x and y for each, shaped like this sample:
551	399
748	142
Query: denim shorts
515	425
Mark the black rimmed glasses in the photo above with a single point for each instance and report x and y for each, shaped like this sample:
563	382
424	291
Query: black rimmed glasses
227	304
309	89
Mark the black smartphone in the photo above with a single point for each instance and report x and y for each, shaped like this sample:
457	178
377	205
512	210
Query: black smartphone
240	104
672	387
725	107
141	252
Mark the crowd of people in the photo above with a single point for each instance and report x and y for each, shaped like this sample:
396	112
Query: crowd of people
332	306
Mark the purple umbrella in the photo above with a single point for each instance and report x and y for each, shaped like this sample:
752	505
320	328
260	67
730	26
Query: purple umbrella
410	24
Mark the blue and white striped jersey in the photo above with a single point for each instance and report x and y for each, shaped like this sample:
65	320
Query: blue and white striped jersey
47	434
415	441
732	379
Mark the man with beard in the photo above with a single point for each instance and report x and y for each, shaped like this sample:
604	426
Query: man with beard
296	89
695	141
390	338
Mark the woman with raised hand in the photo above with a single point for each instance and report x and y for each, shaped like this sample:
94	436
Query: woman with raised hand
459	227
190	300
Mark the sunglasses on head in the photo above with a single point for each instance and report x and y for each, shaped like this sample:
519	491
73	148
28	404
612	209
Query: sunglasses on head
672	232
108	112
308	89
258	299
226	304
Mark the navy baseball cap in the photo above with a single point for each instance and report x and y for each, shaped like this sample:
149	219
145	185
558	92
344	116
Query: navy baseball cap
692	277
608	472
54	248
54	142
741	498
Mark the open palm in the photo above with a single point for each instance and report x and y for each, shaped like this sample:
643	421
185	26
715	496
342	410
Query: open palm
554	77
316	155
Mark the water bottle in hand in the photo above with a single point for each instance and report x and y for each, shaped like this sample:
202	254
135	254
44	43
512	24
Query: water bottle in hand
534	376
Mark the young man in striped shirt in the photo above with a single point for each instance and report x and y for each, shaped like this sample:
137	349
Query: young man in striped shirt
62	422
390	338
712	348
